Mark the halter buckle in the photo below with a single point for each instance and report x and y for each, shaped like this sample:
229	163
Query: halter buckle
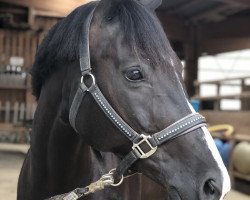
138	147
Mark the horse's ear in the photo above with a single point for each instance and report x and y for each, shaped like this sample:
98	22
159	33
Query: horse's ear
151	4
105	7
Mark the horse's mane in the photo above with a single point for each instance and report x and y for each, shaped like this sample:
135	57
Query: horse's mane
144	32
60	45
140	26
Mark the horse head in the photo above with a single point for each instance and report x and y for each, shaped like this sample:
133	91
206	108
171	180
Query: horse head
141	77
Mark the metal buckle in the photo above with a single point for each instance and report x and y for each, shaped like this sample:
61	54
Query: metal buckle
139	151
92	77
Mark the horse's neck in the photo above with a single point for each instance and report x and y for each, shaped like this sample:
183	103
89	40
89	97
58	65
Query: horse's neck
61	159
58	153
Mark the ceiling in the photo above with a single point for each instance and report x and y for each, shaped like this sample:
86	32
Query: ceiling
205	11
196	11
217	25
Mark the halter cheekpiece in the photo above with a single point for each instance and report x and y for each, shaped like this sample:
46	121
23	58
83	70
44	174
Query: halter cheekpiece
143	145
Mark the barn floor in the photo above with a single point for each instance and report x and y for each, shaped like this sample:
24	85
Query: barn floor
11	158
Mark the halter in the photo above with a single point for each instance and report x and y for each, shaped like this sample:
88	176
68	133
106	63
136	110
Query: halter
143	145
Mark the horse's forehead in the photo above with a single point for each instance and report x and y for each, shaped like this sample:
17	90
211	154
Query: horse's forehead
109	38
104	35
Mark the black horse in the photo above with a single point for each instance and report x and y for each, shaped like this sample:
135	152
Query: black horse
141	77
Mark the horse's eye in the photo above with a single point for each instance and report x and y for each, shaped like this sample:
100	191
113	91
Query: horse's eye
133	74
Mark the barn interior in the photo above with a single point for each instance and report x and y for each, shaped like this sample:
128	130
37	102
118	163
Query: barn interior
195	28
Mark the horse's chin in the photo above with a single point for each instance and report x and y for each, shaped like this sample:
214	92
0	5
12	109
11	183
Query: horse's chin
173	194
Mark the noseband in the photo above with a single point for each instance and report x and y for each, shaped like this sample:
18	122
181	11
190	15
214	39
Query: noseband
143	145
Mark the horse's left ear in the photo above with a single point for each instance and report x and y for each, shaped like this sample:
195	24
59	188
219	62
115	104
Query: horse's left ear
151	4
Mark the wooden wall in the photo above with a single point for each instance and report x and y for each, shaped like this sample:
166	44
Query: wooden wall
18	43
23	42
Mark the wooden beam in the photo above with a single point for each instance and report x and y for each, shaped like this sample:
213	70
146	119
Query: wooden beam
222	81
31	17
214	14
191	51
236	2
243	95
235	27
184	6
43	13
63	7
215	46
13	10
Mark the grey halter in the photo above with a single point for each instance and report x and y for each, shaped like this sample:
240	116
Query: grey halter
179	128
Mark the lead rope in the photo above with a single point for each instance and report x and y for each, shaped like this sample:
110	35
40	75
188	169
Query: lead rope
105	181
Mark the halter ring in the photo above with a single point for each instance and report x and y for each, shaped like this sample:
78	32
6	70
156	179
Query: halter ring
92	77
121	180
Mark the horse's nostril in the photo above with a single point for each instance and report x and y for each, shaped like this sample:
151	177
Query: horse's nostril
209	187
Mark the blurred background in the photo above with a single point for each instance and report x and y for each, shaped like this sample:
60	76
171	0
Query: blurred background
212	39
